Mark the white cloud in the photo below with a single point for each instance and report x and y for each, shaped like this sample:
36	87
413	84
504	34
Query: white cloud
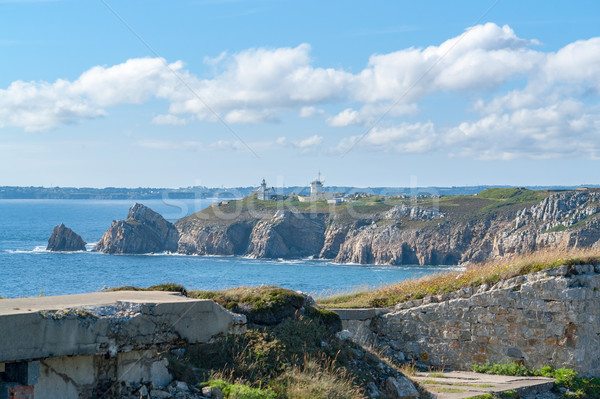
481	58
404	138
169	120
553	114
250	116
576	63
310	111
370	113
304	145
309	143
254	85
42	105
347	117
566	129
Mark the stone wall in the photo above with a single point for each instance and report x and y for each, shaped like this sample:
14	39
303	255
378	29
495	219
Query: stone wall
546	318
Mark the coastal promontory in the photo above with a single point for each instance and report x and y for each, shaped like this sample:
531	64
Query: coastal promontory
425	230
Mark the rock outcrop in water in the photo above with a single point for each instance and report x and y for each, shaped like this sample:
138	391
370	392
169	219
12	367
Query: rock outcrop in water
65	239
461	229
144	231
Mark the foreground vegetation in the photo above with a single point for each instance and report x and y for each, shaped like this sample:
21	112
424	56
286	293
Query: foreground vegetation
290	350
474	275
567	381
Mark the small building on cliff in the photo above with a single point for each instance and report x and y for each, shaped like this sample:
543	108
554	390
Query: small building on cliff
317	193
265	193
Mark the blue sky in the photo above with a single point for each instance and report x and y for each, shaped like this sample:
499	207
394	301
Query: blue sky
223	93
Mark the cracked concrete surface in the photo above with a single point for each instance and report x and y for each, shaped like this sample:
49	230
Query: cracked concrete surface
107	323
466	384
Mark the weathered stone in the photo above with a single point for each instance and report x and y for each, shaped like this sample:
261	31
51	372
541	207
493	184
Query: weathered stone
143	392
401	388
159	394
144	231
65	239
373	390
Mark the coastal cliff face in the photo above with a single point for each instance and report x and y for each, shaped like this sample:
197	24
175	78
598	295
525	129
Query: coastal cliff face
65	239
144	231
458	229
283	234
286	235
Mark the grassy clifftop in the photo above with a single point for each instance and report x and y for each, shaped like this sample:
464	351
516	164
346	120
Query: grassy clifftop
454	207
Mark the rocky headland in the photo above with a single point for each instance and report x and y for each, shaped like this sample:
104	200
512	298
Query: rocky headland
426	231
63	239
446	230
144	231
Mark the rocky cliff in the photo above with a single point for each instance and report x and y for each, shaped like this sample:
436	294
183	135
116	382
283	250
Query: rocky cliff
449	230
144	231
65	239
282	234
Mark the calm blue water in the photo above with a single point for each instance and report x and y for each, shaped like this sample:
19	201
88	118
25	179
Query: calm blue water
27	269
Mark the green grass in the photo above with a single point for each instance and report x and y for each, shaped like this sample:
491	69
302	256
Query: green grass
458	384
507	193
170	287
449	390
289	359
475	275
512	368
564	378
240	391
258	299
506	197
560	227
511	394
133	223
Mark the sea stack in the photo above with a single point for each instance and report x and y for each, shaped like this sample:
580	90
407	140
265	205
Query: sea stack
144	231
64	239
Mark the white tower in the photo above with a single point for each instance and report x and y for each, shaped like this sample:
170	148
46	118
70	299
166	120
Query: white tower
316	187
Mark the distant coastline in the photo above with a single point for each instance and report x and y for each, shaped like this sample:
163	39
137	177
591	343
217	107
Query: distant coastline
199	192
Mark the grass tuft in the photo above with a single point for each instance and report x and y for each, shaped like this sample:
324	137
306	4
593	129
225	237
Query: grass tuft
564	378
240	391
257	298
170	287
317	379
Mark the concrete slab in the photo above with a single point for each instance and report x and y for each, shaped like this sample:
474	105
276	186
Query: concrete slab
58	302
107	323
465	384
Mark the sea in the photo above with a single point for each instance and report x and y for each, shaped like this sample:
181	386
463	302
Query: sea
27	269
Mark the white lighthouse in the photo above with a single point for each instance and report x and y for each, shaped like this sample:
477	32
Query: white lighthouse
316	187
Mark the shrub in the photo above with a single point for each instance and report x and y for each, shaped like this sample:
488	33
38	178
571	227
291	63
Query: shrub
241	391
577	387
